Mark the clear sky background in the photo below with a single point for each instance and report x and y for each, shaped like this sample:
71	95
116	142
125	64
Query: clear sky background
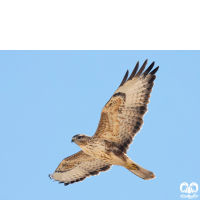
49	96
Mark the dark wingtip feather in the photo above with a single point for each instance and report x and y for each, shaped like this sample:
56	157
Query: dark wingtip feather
149	68
134	71
124	79
152	79
50	176
142	68
146	72
155	70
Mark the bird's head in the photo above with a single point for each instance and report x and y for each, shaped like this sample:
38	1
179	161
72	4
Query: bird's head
80	139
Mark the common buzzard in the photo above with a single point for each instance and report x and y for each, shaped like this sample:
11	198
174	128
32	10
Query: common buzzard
121	118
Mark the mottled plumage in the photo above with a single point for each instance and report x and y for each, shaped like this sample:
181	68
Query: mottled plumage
121	118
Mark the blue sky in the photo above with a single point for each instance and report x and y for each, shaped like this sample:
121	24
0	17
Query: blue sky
49	96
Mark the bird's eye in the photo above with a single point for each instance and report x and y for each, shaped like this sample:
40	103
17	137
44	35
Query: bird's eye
79	137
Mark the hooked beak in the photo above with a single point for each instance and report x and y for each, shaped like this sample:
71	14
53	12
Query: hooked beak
73	139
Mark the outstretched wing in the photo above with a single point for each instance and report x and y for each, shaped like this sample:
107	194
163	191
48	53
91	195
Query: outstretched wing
77	167
122	117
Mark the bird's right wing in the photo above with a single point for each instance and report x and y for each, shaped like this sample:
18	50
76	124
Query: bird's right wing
77	167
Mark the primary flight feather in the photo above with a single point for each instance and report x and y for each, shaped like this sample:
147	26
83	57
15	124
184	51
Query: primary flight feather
121	118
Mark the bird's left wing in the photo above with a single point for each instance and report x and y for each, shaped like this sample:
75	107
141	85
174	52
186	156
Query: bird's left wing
77	167
122	116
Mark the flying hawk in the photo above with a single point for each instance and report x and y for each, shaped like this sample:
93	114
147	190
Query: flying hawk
121	118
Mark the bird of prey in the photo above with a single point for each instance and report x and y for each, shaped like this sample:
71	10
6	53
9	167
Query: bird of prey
121	118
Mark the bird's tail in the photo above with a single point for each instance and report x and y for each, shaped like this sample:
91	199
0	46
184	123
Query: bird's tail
139	171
